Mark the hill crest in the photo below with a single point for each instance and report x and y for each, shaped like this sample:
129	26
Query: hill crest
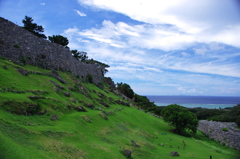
22	47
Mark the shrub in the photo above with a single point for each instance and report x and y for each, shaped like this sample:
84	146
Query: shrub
125	89
89	78
16	45
225	129
238	121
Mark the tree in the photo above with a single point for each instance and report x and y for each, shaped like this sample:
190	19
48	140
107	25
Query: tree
144	103
59	39
180	117
125	89
33	27
102	66
82	56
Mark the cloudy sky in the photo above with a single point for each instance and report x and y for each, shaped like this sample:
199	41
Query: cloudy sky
158	47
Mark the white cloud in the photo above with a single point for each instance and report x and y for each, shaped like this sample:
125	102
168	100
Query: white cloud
201	21
201	51
80	13
181	46
42	4
107	43
185	54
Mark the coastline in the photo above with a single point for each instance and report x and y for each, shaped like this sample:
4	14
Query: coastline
210	102
208	106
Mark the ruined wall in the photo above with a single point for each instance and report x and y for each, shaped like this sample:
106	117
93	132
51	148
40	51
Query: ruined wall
39	52
214	130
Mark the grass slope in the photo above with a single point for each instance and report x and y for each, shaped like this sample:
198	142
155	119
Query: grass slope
83	134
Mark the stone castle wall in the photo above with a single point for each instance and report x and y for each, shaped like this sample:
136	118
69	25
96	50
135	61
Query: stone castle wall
42	53
214	130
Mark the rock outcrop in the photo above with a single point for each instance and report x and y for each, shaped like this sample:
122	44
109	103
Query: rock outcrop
223	132
21	46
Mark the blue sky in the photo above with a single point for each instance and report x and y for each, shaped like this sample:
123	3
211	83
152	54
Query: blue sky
158	47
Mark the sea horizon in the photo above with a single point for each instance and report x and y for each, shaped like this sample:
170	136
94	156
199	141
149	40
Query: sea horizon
210	102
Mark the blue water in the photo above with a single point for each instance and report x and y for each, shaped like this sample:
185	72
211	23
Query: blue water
196	101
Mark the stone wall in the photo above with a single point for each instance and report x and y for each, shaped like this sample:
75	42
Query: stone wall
214	130
39	52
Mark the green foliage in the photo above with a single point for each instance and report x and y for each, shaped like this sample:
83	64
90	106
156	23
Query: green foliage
16	45
238	121
144	103
33	27
59	39
228	115
110	82
180	117
225	129
80	55
125	89
204	114
102	66
89	78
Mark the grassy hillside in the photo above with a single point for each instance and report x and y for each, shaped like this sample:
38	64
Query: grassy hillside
27	103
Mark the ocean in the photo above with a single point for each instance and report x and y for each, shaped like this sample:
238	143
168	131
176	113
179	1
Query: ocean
196	101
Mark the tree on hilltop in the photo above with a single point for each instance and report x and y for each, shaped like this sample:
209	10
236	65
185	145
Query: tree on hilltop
59	39
80	55
125	89
180	117
102	66
33	27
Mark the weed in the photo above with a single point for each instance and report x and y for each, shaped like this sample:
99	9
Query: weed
16	45
225	129
89	78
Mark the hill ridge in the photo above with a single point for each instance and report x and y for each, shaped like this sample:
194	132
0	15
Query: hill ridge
22	47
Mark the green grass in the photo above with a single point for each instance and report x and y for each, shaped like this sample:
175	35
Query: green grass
84	134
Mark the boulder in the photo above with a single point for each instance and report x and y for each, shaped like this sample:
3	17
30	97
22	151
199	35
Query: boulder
91	106
54	117
127	153
104	104
104	116
23	72
134	144
174	153
80	109
56	75
57	85
4	67
67	94
36	97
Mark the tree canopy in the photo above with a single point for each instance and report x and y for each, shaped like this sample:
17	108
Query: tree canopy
33	27
231	115
59	39
102	66
144	103
180	117
80	55
125	89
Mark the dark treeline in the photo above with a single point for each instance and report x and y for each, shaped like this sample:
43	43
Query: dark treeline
142	101
229	114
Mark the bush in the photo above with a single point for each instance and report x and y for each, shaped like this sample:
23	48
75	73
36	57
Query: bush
225	129
16	45
238	121
125	89
89	78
